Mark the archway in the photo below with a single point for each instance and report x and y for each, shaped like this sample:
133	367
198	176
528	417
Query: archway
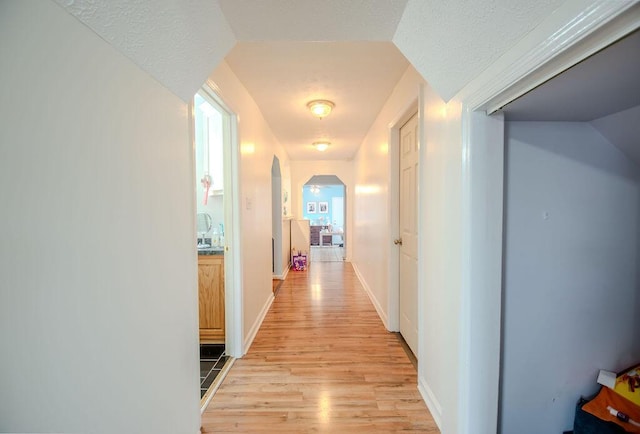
276	217
324	199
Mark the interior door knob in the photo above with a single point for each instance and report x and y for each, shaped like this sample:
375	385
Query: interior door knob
398	241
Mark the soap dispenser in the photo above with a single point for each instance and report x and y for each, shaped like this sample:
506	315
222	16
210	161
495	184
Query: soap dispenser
221	236
215	238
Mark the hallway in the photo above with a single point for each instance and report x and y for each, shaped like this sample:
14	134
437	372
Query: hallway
321	362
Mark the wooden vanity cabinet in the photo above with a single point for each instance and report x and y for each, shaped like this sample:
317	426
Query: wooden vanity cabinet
211	298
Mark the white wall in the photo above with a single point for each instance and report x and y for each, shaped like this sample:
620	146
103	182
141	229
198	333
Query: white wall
281	223
302	170
285	169
440	266
276	216
286	247
571	270
98	291
257	148
372	207
622	129
440	242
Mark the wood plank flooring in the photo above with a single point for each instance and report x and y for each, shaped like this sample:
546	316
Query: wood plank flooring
327	254
321	362
276	283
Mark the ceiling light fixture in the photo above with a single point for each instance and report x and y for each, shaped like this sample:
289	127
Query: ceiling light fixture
321	146
320	107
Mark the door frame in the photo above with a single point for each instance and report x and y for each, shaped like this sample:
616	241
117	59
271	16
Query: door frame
393	296
583	30
233	247
340	183
276	220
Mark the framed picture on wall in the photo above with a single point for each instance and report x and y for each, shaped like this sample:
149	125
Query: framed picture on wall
311	207
323	207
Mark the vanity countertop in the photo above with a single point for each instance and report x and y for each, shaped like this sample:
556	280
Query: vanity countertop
205	247
211	251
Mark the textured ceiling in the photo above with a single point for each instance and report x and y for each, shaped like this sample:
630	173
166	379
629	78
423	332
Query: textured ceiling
180	42
313	20
282	77
451	42
177	42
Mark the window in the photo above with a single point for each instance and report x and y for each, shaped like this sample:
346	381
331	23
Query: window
209	137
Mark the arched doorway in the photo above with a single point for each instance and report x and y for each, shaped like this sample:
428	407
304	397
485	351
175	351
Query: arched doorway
324	205
276	217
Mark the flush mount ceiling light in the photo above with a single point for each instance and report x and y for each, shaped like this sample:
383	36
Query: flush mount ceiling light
320	107
321	146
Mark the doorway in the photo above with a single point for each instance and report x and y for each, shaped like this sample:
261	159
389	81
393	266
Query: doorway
408	241
217	204
324	204
410	113
276	218
588	155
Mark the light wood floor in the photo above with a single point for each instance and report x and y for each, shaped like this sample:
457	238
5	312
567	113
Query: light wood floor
327	254
321	362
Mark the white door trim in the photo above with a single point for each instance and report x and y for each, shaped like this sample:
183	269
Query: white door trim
276	219
481	279
233	251
575	31
393	295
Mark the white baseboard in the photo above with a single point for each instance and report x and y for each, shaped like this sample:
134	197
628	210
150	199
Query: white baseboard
374	300
432	403
257	323
284	273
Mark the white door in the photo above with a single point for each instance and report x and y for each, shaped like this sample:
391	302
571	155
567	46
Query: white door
409	150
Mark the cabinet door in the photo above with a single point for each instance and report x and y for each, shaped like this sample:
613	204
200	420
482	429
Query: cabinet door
315	235
211	298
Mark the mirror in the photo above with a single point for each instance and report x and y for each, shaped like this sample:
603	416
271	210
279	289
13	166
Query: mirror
204	223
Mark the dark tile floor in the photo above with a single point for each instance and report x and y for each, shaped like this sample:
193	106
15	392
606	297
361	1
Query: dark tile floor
212	359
